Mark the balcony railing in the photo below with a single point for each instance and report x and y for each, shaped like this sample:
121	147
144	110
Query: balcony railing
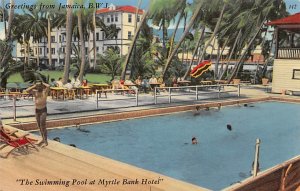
288	53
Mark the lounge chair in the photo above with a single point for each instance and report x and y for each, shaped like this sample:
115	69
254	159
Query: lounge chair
16	142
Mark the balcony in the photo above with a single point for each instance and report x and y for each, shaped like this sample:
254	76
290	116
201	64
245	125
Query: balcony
288	53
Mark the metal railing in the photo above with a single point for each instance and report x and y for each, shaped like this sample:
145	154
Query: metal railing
288	53
129	91
14	106
187	93
195	90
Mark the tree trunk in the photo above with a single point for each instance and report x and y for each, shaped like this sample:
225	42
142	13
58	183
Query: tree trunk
132	45
68	42
38	55
10	19
194	53
49	41
231	53
28	53
191	23
235	72
219	58
8	36
94	40
214	33
89	49
175	31
82	45
184	42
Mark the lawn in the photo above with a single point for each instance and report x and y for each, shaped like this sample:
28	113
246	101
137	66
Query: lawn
92	77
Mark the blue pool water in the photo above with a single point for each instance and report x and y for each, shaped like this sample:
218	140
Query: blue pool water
222	157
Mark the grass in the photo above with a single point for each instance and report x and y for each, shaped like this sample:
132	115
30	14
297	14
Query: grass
92	77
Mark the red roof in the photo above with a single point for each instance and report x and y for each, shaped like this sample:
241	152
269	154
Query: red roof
293	19
127	9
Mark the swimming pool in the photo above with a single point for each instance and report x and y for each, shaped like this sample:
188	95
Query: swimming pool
222	157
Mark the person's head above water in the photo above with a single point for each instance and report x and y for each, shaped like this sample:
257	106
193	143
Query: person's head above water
229	127
194	140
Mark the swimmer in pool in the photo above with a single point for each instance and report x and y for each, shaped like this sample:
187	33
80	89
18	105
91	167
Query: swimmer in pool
229	127
194	141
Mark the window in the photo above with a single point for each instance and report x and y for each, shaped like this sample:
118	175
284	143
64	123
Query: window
41	51
59	38
52	38
129	35
52	50
138	18
296	74
47	50
112	18
63	50
86	49
97	48
129	18
116	18
108	19
97	36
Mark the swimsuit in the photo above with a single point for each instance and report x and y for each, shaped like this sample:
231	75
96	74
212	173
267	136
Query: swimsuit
40	111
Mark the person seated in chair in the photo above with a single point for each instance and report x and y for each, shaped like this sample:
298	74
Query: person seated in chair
59	83
70	91
53	83
145	84
75	81
68	85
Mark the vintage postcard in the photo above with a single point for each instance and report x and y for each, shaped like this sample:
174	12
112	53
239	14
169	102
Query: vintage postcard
149	95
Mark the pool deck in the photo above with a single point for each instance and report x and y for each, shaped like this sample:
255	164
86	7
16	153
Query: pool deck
61	162
58	161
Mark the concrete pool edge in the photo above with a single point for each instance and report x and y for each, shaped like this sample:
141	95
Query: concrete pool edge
99	118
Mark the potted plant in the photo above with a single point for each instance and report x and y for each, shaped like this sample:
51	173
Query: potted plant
265	81
266	77
237	79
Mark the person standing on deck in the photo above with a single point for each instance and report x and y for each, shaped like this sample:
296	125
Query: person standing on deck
40	92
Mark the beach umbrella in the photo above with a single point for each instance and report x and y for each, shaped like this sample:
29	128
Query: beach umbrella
200	68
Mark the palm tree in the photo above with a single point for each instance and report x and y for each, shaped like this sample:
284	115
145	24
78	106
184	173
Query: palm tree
182	9
69	19
200	39
260	12
110	62
162	12
135	37
90	22
8	38
32	24
191	23
82	42
208	43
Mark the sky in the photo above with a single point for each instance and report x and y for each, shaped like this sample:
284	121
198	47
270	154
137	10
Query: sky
293	6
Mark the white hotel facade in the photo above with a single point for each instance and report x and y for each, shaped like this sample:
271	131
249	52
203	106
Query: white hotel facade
124	17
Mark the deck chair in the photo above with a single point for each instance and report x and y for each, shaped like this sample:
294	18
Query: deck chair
16	142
